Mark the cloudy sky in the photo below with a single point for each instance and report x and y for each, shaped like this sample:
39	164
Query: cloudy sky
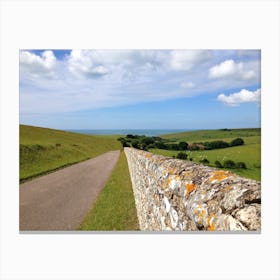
140	89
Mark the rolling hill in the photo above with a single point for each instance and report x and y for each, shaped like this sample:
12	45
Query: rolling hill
43	150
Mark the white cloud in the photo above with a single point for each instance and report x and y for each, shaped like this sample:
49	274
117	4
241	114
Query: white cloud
244	96
88	79
231	69
133	62
86	63
187	59
187	85
37	65
128	63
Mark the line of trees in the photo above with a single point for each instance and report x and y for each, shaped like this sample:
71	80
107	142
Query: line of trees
218	144
231	164
227	163
145	142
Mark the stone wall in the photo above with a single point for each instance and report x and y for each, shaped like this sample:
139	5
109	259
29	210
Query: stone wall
173	194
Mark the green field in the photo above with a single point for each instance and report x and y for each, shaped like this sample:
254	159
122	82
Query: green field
43	150
115	206
211	135
250	153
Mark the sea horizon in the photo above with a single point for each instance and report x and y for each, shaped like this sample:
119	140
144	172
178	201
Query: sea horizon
146	132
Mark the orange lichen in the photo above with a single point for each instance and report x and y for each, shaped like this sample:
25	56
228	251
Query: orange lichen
177	177
228	188
149	155
211	225
168	181
190	187
171	171
219	175
201	214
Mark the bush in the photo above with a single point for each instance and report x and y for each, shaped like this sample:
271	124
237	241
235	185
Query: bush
237	142
216	145
160	145
241	165
204	161
172	147
183	146
182	155
229	164
147	140
218	164
125	144
135	144
151	146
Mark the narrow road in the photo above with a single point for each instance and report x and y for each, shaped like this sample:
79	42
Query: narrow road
61	200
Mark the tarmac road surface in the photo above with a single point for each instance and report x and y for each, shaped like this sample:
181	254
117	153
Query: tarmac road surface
61	200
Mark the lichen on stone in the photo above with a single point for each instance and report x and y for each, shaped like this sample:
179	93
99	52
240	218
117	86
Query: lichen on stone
172	194
190	187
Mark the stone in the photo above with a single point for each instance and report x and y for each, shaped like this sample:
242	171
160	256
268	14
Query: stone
250	216
172	194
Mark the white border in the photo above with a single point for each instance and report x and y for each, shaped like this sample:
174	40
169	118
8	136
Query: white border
156	24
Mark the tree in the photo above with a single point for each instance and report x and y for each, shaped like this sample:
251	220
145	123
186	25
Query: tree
216	145
182	155
147	140
218	164
204	161
229	163
151	146
123	142
237	142
241	165
172	147
183	146
160	145
135	144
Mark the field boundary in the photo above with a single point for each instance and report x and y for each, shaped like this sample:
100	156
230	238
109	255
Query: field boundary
173	194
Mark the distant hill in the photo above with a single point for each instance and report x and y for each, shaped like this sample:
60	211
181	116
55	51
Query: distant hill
43	149
204	135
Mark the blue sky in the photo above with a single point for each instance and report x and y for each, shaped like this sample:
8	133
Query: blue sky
140	89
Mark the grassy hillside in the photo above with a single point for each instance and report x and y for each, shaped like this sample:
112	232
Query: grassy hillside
207	135
250	153
43	149
115	206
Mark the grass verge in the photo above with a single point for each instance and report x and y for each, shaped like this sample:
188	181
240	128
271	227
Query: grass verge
114	208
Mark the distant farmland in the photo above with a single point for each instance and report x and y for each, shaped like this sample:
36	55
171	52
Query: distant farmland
250	153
